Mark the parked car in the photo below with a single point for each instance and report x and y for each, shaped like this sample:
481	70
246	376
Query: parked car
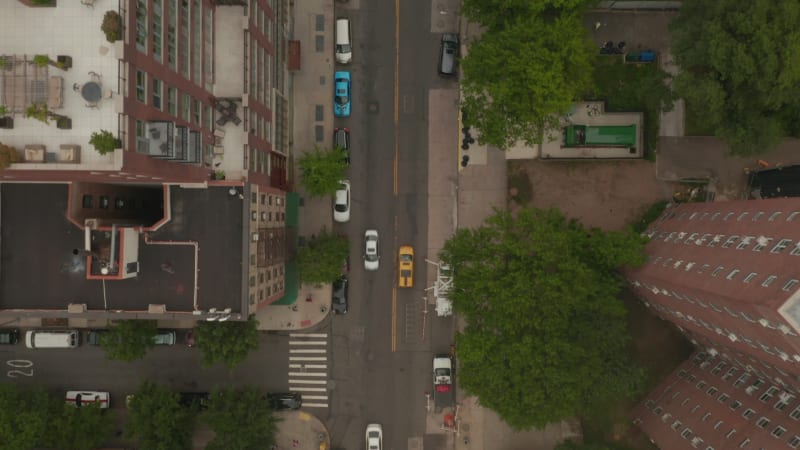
165	337
341	203
372	254
341	139
286	400
339	296
405	276
197	400
374	437
448	54
341	95
344	46
9	336
81	398
93	337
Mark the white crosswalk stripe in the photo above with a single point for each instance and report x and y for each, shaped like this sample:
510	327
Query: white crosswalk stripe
308	368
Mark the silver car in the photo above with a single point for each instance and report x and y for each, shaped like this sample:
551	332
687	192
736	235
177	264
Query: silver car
372	254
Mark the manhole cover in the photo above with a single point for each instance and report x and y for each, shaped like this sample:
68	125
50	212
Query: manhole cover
373	107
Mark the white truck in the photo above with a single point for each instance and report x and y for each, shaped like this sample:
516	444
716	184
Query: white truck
443	392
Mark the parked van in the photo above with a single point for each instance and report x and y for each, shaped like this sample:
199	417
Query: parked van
52	339
344	48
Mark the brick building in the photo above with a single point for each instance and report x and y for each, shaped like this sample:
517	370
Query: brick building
728	275
185	214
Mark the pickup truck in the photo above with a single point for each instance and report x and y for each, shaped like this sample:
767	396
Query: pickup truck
443	391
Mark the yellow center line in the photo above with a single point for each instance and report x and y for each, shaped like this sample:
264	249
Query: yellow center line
396	88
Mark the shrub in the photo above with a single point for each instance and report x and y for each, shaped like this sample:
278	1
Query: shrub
41	60
112	26
8	156
103	141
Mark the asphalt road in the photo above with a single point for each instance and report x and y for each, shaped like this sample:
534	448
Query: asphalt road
178	366
381	366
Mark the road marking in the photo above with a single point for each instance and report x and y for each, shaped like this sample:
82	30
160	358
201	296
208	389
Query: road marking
307	358
307	350
315	405
394	319
315	397
309	335
396	89
308	366
308	342
291	381
307	389
308	374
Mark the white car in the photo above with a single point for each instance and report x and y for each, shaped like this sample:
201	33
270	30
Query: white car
372	254
341	202
82	398
374	437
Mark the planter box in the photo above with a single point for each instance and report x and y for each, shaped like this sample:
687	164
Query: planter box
64	123
64	62
6	122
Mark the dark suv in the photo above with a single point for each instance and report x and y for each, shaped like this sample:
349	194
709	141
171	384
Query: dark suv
341	139
288	400
339	298
9	336
448	54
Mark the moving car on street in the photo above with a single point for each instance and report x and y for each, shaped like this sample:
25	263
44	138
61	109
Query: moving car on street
405	267
372	254
374	437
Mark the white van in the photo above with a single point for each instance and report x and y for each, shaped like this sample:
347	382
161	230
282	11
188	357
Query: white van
52	339
344	48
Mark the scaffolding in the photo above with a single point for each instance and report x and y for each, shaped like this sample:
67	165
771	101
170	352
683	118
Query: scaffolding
441	288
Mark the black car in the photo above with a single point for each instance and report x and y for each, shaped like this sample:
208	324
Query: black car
339	298
448	54
198	400
9	336
287	400
341	139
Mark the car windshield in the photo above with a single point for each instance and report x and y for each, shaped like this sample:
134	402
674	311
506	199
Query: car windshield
341	207
405	257
343	48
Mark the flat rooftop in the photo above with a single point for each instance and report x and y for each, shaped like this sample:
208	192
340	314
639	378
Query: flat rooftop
70	29
39	269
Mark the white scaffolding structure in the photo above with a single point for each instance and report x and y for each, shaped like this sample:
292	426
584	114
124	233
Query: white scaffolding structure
441	288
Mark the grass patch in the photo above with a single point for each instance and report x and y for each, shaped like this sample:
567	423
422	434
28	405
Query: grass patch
519	186
658	347
693	126
650	214
633	88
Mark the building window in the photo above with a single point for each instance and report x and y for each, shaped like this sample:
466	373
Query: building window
762	422
675	425
744	443
141	86
172	35
761	243
750	277
186	106
741	380
729	373
744	243
796	250
768	394
718	368
769	280
758	215
196	108
730	241
172	101
795	414
706	416
792	216
783	402
732	274
748	413
728	216
691	239
742	216
790	285
712	391
736	404
158	28
714	216
794	441
686	433
701	385
141	25
717	271
723	397
703	268
730	433
158	92
778	431
781	245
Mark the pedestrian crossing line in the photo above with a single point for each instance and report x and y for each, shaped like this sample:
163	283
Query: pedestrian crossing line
307	389
308	350
315	397
291	381
323	343
315	405
308	366
308	358
308	374
308	335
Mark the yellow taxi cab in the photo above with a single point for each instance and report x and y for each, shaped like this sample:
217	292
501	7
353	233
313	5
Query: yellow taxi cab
406	266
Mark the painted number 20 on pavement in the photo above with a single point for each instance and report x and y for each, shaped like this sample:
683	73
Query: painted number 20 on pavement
20	367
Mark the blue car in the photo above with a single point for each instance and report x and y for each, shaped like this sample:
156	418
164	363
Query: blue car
341	95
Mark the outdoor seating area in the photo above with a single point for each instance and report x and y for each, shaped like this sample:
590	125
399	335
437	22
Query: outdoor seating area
23	83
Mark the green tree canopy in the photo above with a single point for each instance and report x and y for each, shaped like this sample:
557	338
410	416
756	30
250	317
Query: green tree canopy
321	259
25	416
546	335
572	445
241	418
496	14
321	171
129	340
84	428
520	79
227	342
740	68
157	420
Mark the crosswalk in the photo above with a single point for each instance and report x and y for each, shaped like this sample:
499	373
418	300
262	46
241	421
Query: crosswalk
308	368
